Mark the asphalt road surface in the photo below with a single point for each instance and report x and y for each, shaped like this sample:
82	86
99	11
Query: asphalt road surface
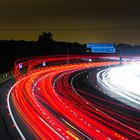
65	102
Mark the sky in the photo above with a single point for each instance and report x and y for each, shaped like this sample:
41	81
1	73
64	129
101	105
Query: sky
84	21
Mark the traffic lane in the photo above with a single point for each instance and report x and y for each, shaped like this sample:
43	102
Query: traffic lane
7	130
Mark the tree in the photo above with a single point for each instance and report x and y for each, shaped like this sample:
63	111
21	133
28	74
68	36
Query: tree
45	37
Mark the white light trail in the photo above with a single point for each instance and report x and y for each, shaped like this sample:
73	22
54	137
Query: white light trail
123	81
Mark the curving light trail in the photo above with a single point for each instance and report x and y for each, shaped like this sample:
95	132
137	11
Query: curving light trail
48	105
123	81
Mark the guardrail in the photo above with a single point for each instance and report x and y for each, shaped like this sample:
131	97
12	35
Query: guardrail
5	76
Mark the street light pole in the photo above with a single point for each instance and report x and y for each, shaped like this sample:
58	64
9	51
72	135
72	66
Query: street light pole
121	56
67	55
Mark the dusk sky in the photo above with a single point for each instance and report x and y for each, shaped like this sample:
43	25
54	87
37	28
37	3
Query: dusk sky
83	21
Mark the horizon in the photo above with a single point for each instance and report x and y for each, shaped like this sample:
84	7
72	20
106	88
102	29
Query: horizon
28	36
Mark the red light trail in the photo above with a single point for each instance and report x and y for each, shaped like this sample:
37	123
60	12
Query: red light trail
51	108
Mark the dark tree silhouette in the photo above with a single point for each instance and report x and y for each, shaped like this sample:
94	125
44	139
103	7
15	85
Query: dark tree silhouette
45	37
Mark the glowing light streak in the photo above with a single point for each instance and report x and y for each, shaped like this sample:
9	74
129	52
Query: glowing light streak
52	108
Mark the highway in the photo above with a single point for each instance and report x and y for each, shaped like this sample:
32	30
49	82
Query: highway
66	101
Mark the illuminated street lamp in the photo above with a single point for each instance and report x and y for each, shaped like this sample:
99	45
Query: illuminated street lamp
44	64
20	66
90	60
